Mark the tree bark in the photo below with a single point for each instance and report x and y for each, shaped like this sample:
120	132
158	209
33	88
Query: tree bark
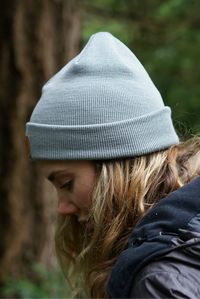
37	38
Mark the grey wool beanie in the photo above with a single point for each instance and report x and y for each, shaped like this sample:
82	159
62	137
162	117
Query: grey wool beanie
101	105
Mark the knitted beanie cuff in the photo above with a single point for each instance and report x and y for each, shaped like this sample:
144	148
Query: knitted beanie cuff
103	141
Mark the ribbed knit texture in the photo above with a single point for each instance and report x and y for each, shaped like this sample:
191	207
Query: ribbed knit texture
101	105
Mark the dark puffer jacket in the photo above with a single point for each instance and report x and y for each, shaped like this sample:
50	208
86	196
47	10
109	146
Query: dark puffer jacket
163	256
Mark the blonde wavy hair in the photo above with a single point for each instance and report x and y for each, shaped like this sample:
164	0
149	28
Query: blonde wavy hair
125	190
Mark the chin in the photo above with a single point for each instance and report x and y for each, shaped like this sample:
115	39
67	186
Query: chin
87	225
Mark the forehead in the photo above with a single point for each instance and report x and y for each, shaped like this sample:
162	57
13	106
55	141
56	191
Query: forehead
47	167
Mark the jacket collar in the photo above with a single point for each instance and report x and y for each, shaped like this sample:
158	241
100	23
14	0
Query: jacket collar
152	237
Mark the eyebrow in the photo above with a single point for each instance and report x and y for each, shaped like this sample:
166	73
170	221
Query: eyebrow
53	175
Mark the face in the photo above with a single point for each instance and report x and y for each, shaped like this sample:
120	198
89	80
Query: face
74	182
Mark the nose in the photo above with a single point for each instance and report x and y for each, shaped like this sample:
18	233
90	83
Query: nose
66	208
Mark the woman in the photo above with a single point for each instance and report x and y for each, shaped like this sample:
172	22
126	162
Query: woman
102	135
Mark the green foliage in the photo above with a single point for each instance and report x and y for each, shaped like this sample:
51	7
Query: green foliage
165	37
45	284
172	9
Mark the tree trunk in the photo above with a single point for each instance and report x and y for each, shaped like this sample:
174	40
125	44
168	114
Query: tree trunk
37	38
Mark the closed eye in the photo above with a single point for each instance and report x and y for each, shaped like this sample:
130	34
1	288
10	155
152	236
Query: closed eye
68	185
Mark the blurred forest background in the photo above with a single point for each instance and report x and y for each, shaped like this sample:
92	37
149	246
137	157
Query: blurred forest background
37	38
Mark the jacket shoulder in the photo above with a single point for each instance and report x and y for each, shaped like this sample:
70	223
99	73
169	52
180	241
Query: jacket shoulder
172	276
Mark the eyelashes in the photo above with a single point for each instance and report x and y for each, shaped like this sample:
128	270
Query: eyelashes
68	185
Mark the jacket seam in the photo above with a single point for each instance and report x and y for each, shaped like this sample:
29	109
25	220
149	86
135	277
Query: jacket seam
161	272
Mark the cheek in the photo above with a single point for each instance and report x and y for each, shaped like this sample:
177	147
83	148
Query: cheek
83	198
84	195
